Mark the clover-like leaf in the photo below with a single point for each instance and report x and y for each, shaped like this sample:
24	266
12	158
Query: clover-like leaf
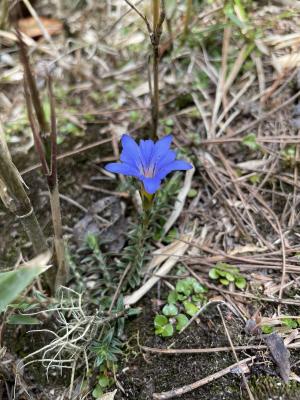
103	381
240	282
170	310
227	267
168	330
160	321
250	141
199	298
182	321
290	322
172	297
224	282
190	308
97	392
213	273
267	329
184	286
229	277
198	288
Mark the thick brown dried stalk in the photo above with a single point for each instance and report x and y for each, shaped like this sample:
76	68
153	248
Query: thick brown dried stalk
15	198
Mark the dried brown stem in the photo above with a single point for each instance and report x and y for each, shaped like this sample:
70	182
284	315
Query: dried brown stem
155	41
18	201
155	35
211	350
45	140
34	93
63	268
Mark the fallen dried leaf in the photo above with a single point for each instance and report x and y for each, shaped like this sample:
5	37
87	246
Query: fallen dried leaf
31	28
108	396
280	354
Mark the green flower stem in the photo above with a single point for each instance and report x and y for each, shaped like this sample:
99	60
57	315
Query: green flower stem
135	251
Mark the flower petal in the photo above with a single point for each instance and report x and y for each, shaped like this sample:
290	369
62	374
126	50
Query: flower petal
166	159
151	184
122	168
177	165
147	149
161	147
131	153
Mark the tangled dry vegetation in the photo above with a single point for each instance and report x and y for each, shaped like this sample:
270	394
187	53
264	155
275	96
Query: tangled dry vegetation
229	89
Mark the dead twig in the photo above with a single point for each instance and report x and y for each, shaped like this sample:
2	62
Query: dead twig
174	352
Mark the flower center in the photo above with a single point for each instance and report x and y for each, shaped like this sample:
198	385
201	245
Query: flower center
148	171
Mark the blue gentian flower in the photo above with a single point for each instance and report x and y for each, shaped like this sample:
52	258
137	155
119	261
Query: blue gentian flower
149	162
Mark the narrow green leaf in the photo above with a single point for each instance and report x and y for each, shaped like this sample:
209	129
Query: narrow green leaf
12	283
18	319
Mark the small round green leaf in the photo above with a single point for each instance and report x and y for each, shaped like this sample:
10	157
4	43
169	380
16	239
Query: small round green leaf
172	297
190	308
170	310
192	193
224	282
182	321
97	392
167	330
213	273
290	322
184	286
103	381
160	321
198	288
229	277
240	282
267	329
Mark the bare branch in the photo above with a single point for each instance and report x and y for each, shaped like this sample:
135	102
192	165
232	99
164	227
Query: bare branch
144	18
